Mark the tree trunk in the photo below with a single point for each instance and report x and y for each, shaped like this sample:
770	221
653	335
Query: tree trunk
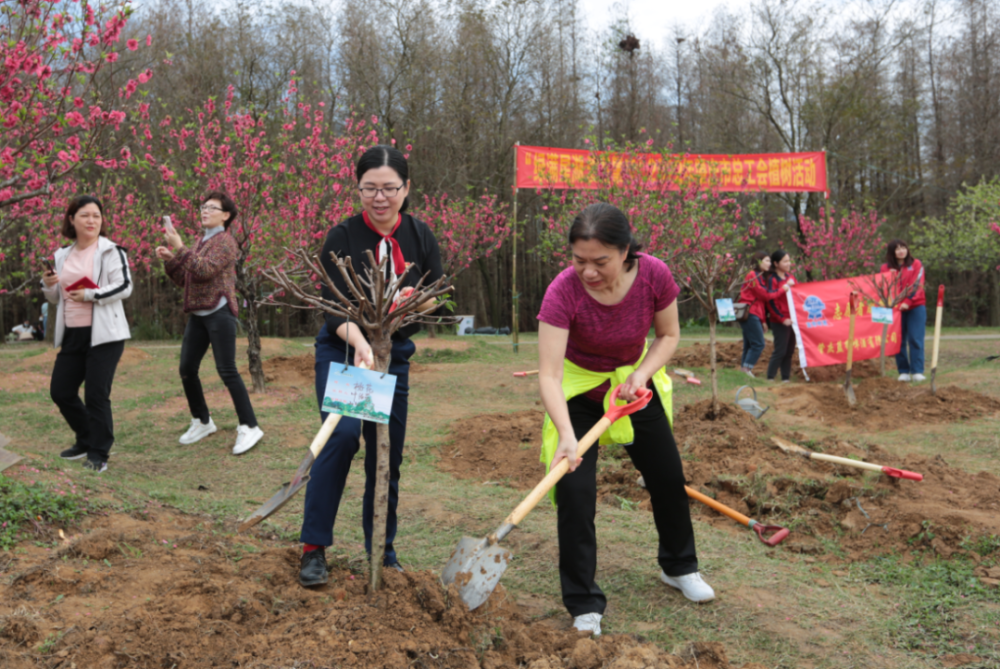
491	301
381	350
881	354
712	362
247	290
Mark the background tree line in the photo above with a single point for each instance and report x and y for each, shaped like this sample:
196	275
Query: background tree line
905	98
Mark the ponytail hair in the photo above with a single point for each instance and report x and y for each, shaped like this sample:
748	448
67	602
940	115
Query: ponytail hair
608	225
383	155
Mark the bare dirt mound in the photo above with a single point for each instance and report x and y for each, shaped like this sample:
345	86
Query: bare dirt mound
731	458
496	448
24	382
167	592
884	404
291	371
729	354
436	344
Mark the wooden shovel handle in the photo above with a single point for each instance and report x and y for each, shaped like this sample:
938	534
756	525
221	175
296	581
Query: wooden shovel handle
718	506
524	374
589	439
329	425
853	306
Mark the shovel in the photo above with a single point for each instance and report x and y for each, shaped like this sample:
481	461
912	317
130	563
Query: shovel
848	388
759	529
688	376
789	447
526	374
477	564
937	338
6	457
301	478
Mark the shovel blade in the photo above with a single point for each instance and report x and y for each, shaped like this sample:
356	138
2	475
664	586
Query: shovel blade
475	567
278	500
7	459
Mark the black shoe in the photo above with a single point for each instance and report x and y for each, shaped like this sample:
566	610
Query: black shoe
74	453
313	570
96	465
395	565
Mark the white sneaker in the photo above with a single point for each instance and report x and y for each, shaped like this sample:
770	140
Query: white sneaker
588	622
246	438
919	377
749	372
691	586
905	377
198	431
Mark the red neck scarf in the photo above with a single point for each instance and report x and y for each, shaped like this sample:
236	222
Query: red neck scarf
388	245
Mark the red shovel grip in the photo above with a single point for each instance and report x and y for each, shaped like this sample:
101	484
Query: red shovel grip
779	534
615	412
940	296
902	474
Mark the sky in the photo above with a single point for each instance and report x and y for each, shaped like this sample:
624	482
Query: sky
652	19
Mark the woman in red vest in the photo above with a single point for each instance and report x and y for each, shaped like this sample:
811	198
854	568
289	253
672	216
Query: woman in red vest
755	295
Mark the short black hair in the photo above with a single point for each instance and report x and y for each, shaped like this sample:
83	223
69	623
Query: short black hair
758	257
227	203
382	155
75	205
608	225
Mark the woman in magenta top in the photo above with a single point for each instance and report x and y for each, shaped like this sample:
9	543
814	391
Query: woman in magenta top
776	282
597	314
913	309
754	327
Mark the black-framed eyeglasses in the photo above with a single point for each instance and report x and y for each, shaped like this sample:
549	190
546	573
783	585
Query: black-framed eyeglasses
206	209
388	191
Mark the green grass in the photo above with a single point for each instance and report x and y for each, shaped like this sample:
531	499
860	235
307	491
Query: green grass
771	608
25	505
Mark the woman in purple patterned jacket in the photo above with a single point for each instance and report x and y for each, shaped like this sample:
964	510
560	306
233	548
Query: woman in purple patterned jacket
207	273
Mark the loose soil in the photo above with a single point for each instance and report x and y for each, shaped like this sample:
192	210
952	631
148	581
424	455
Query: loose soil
158	589
730	354
732	459
884	404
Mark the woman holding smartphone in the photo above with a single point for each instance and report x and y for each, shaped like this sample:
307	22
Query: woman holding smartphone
384	228
207	273
87	284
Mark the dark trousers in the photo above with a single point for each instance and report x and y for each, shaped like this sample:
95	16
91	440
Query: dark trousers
219	330
94	366
784	349
329	472
753	341
654	454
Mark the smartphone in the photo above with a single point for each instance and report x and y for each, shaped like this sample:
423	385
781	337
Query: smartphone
167	225
48	266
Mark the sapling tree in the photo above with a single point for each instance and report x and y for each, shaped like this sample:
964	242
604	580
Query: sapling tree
371	303
883	290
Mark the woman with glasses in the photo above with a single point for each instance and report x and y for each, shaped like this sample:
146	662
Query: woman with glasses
207	273
384	228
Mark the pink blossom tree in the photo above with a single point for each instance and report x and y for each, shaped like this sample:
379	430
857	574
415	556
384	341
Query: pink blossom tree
467	230
838	246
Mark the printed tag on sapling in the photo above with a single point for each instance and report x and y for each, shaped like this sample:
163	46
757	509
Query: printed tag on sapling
359	393
882	315
726	310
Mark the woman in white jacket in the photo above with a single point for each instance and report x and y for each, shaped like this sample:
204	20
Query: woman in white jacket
90	279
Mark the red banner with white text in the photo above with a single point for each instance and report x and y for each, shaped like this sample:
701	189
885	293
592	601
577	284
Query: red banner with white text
547	167
821	317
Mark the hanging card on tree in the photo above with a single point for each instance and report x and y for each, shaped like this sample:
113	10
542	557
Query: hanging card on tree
359	393
882	315
726	310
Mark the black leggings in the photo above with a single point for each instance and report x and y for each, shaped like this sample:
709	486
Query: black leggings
654	454
219	330
80	363
784	349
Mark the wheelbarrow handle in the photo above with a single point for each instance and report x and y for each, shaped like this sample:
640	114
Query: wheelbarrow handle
555	473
